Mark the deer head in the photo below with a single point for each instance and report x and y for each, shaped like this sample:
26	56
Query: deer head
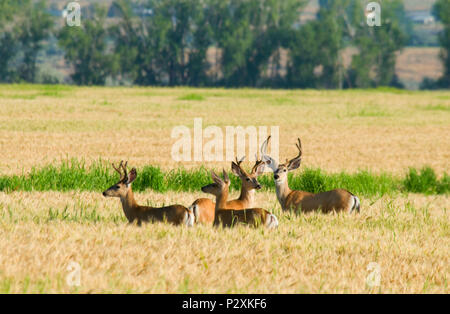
249	180
280	171
121	188
219	186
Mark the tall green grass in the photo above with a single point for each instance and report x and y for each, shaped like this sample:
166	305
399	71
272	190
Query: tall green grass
76	175
426	181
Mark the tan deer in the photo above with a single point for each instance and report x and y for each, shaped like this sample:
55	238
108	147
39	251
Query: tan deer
335	200
175	214
230	217
204	208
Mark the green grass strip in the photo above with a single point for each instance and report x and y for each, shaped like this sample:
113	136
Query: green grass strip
75	175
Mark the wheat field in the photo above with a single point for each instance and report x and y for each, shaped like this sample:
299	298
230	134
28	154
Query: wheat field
380	131
43	232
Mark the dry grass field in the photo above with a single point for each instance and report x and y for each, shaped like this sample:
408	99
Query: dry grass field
408	237
379	130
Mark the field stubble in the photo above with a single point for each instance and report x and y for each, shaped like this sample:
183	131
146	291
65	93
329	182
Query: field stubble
382	131
341	130
42	232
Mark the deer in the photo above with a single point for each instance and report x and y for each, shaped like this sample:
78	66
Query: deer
230	217
174	214
204	208
336	200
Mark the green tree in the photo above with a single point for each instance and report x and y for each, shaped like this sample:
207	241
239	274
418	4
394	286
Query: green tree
86	50
24	27
187	40
315	49
441	10
35	27
135	47
9	47
374	64
303	57
8	40
169	46
250	33
232	38
8	8
15	58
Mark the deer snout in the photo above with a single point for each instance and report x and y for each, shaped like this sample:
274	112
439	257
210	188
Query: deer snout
276	177
104	193
258	187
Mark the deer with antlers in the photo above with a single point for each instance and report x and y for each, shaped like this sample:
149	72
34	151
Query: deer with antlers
175	214
335	200
226	217
204	208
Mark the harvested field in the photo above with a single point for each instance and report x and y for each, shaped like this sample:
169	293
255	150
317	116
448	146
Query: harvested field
51	218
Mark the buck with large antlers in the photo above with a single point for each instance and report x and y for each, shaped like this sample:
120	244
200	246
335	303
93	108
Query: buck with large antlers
204	208
335	200
230	217
175	214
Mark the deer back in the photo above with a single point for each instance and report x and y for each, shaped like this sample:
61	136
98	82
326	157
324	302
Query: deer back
250	216
334	200
174	214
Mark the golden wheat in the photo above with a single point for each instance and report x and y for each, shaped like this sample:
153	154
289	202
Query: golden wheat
407	236
43	232
341	130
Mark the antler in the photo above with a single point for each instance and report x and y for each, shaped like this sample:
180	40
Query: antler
118	169
263	153
264	147
122	170
266	158
125	172
299	156
299	147
255	167
238	162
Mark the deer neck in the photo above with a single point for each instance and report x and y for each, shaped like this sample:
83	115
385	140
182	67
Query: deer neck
221	200
283	191
247	196
129	205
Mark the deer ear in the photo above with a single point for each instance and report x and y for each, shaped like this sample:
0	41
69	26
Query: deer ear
294	164
226	177
270	162
260	169
215	177
235	168
132	176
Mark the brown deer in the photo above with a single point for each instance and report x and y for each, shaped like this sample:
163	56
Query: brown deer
335	200
175	214
230	217
204	208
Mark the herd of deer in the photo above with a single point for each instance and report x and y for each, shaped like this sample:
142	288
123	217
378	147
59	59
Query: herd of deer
228	213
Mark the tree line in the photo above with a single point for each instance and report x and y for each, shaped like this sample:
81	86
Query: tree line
231	43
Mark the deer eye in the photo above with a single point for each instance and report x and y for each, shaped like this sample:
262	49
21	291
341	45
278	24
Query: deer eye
284	170
248	179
